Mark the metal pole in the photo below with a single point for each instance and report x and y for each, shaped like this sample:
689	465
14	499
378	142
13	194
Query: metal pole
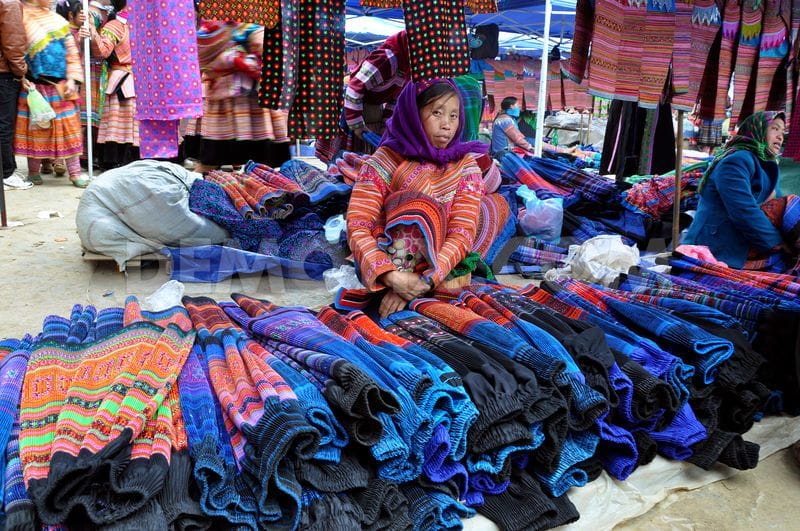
87	82
676	202
3	220
542	106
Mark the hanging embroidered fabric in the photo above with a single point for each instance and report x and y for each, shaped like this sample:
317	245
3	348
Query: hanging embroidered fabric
263	12
164	50
713	110
617	48
744	80
706	26
792	147
303	65
770	84
658	33
437	37
682	47
582	34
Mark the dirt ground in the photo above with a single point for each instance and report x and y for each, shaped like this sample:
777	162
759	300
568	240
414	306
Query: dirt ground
43	273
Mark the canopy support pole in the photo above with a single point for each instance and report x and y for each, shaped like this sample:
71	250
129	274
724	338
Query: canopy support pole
87	83
676	202
542	105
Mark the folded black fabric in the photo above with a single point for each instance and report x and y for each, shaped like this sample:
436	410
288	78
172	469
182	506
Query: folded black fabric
650	394
645	446
330	512
706	453
346	475
523	506
384	507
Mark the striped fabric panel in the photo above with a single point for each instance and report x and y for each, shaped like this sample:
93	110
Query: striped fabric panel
706	23
237	118
118	123
682	47
747	60
657	41
774	47
62	139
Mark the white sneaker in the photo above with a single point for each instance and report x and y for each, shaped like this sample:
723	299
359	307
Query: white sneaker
16	182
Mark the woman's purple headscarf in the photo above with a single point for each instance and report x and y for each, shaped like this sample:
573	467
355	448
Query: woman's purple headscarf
405	134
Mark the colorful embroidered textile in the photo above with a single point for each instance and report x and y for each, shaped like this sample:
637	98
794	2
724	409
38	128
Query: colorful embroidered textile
210	200
654	197
164	50
771	82
747	60
261	405
61	139
129	373
263	12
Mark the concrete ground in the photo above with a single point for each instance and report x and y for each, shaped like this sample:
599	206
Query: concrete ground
43	273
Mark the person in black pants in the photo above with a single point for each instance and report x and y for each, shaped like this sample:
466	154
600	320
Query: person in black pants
13	68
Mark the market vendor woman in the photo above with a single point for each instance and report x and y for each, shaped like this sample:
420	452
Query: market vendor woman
737	217
412	215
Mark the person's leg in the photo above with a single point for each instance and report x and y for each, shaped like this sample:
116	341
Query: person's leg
73	165
9	93
34	170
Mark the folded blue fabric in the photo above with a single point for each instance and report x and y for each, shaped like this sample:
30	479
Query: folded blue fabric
676	440
577	447
616	450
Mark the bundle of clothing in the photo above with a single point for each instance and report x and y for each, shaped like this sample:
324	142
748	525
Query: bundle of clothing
654	195
275	219
489	399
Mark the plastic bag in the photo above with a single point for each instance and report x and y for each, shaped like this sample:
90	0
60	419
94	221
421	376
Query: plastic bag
41	113
341	277
543	217
600	259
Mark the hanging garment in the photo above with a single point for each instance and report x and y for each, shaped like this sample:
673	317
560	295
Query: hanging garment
745	73
437	37
770	84
714	103
164	50
682	48
263	12
303	62
705	31
658	36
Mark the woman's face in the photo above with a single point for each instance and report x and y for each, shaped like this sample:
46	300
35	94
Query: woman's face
440	119
775	133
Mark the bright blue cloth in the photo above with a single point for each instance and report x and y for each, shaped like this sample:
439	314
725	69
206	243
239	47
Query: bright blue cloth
729	219
578	446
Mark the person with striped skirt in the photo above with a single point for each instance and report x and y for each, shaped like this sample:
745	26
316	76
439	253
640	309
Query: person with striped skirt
55	71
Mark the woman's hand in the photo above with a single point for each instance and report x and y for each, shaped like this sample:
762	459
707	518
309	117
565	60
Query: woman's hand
407	285
70	88
391	302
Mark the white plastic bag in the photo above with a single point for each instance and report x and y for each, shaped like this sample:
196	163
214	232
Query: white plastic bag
600	259
543	217
343	276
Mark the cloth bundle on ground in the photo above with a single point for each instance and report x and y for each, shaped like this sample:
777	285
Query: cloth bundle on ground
141	208
655	196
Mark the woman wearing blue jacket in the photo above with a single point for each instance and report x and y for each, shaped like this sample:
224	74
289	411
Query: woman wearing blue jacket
735	218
